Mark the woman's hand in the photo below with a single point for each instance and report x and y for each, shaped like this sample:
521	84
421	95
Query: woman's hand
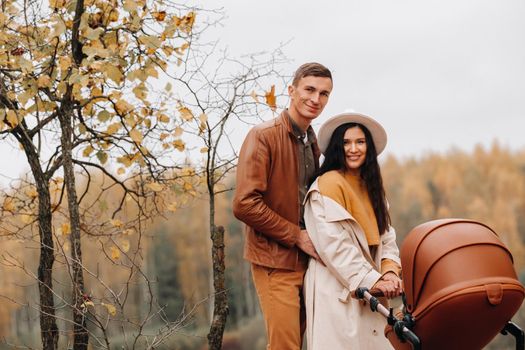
390	285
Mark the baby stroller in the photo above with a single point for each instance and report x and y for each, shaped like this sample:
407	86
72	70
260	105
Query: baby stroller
461	289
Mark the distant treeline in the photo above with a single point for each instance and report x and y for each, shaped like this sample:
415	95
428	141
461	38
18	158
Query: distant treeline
486	185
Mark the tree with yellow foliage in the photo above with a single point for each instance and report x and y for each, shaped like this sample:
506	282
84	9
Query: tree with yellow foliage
112	86
74	86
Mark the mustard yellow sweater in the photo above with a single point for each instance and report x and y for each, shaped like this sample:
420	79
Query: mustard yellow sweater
350	192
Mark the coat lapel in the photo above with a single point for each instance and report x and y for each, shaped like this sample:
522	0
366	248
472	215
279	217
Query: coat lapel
334	212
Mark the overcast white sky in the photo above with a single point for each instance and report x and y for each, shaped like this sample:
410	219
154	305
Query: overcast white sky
436	74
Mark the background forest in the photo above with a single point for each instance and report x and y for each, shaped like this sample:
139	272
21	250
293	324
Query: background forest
487	184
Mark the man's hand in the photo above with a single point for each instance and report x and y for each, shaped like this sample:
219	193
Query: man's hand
305	244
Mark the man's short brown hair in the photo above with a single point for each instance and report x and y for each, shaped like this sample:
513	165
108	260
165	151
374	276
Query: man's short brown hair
311	69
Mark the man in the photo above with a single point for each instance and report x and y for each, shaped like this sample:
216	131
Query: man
277	160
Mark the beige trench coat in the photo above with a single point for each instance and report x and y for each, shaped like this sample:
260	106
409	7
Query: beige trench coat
335	320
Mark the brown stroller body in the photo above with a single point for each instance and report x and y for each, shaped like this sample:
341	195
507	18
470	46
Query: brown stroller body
461	288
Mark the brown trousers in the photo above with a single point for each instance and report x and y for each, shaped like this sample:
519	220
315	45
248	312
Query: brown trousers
281	298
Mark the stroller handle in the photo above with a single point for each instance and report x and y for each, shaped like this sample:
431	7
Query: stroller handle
400	327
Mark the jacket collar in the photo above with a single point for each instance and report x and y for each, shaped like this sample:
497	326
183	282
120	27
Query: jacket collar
285	118
287	121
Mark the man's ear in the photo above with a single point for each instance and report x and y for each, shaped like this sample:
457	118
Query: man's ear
291	89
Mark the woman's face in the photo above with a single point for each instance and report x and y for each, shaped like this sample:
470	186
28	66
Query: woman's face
354	143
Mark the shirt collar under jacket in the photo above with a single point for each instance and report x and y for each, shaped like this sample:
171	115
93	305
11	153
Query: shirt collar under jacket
297	132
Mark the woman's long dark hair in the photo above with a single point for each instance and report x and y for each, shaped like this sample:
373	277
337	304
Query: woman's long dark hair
335	159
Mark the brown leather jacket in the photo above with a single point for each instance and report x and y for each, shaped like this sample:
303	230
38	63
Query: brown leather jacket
267	194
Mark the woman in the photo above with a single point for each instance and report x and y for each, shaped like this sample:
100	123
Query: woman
347	219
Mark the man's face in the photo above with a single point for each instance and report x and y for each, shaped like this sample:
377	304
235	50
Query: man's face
309	97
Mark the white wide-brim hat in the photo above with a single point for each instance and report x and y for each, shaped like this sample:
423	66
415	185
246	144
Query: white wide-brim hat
376	130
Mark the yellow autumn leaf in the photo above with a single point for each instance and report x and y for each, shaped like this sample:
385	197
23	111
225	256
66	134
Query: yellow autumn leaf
113	128
95	91
125	245
188	186
163	136
12	119
185	23
64	62
103	116
129	231
26	218
85	304
204	149
61	88
93	34
139	74
150	41
140	91
25	96
172	207
87	151
25	65
59	28
130	120
151	71
254	96
8	205
178	131
82	128
159	16
112	310
180	50
65	229
115	253
270	98
58	180
121	171
43	81
66	246
55	4
123	107
130	5
136	136
163	118
113	15
188	171
179	145
203	118
31	192
185	113
113	72
168	50
102	157
116	223
155	186
126	160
